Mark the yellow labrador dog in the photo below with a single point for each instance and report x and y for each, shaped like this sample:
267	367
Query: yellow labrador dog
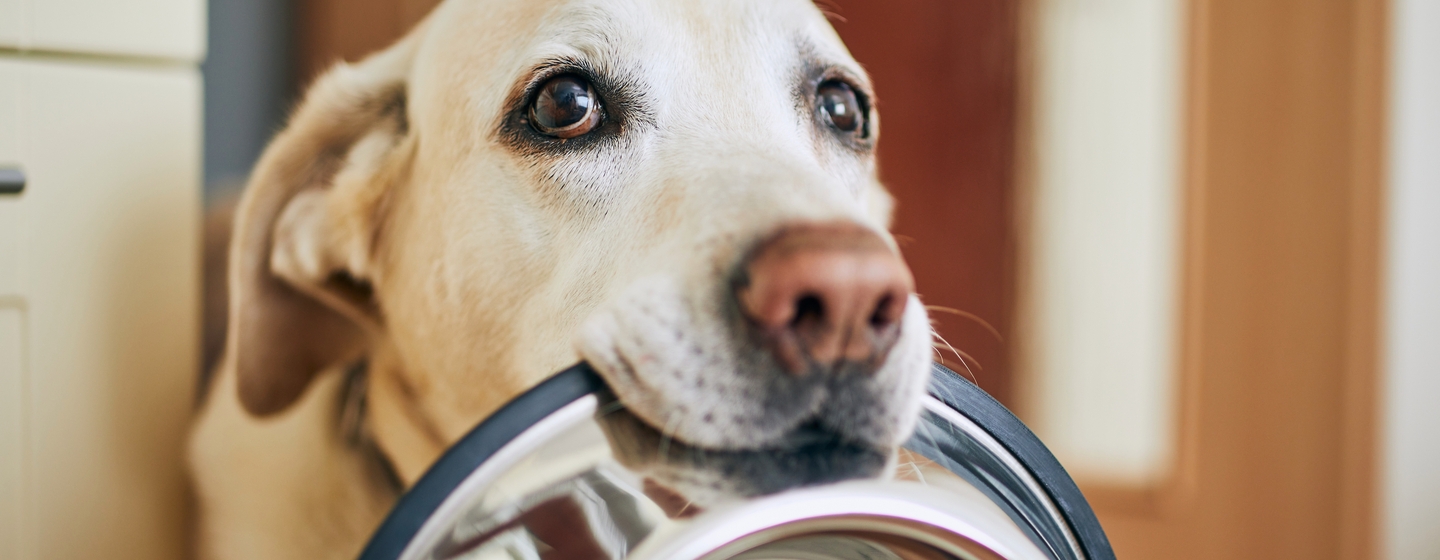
682	193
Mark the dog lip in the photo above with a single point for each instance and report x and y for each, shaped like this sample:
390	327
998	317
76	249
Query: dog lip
811	434
809	437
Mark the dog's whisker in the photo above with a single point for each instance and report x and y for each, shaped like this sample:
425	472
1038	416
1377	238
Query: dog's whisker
952	365
961	355
968	315
831	11
916	471
973	378
922	432
667	433
611	408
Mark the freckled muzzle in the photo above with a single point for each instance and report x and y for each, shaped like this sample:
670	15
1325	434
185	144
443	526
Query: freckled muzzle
761	335
564	472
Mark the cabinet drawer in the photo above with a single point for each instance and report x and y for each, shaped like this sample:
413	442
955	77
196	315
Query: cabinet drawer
170	29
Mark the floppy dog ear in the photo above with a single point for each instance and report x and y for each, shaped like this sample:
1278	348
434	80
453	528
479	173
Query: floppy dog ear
300	255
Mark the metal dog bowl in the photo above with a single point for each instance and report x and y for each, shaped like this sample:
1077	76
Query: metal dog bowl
563	472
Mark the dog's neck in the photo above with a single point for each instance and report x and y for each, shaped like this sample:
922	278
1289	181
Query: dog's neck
406	437
355	424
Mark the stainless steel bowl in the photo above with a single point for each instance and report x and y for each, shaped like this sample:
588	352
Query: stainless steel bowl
563	472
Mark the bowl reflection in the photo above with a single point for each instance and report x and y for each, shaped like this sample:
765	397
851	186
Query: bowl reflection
694	478
589	480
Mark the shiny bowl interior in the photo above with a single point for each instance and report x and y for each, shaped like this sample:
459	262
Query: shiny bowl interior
564	472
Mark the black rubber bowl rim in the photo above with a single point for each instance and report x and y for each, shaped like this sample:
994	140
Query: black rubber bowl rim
415	507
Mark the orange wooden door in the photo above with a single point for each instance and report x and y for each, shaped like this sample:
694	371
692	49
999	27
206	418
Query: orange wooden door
1279	299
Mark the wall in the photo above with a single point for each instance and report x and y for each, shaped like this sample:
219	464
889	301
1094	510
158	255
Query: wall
945	80
1412	417
247	85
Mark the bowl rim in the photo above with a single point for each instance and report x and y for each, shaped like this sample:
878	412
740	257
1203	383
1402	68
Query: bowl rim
415	508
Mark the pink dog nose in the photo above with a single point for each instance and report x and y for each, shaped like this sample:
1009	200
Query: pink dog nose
823	293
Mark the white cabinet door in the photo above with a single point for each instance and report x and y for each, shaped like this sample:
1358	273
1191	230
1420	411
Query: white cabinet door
102	309
169	29
12	321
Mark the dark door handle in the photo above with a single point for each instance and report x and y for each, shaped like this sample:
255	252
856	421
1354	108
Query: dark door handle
12	180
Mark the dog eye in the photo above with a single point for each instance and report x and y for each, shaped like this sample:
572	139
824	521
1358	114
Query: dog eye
566	107
841	106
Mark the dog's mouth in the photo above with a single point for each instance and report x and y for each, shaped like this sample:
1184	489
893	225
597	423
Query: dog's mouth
808	336
812	435
809	455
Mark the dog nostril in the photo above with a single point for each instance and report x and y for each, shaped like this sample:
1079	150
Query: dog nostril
822	294
808	309
881	317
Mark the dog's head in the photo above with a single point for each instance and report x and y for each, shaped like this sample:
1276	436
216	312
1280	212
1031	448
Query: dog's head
682	193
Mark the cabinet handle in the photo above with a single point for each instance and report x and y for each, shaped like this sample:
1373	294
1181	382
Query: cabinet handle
12	180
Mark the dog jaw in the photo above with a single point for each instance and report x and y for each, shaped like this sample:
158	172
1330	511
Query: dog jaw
677	362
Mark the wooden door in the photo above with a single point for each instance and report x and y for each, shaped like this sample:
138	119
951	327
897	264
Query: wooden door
1280	268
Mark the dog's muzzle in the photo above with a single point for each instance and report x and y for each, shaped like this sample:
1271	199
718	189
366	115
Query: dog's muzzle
563	472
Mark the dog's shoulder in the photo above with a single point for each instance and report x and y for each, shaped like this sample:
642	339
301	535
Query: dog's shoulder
287	486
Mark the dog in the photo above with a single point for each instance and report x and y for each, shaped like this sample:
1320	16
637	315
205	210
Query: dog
683	194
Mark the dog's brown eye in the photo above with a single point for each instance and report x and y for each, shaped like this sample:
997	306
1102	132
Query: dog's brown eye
566	107
841	106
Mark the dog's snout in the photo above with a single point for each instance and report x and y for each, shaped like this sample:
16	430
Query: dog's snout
820	294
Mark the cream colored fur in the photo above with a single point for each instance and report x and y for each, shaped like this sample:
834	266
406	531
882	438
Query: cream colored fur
394	220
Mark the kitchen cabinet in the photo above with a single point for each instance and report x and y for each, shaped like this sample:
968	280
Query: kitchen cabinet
99	276
153	29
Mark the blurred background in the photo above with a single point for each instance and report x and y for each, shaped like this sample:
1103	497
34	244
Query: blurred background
1190	242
